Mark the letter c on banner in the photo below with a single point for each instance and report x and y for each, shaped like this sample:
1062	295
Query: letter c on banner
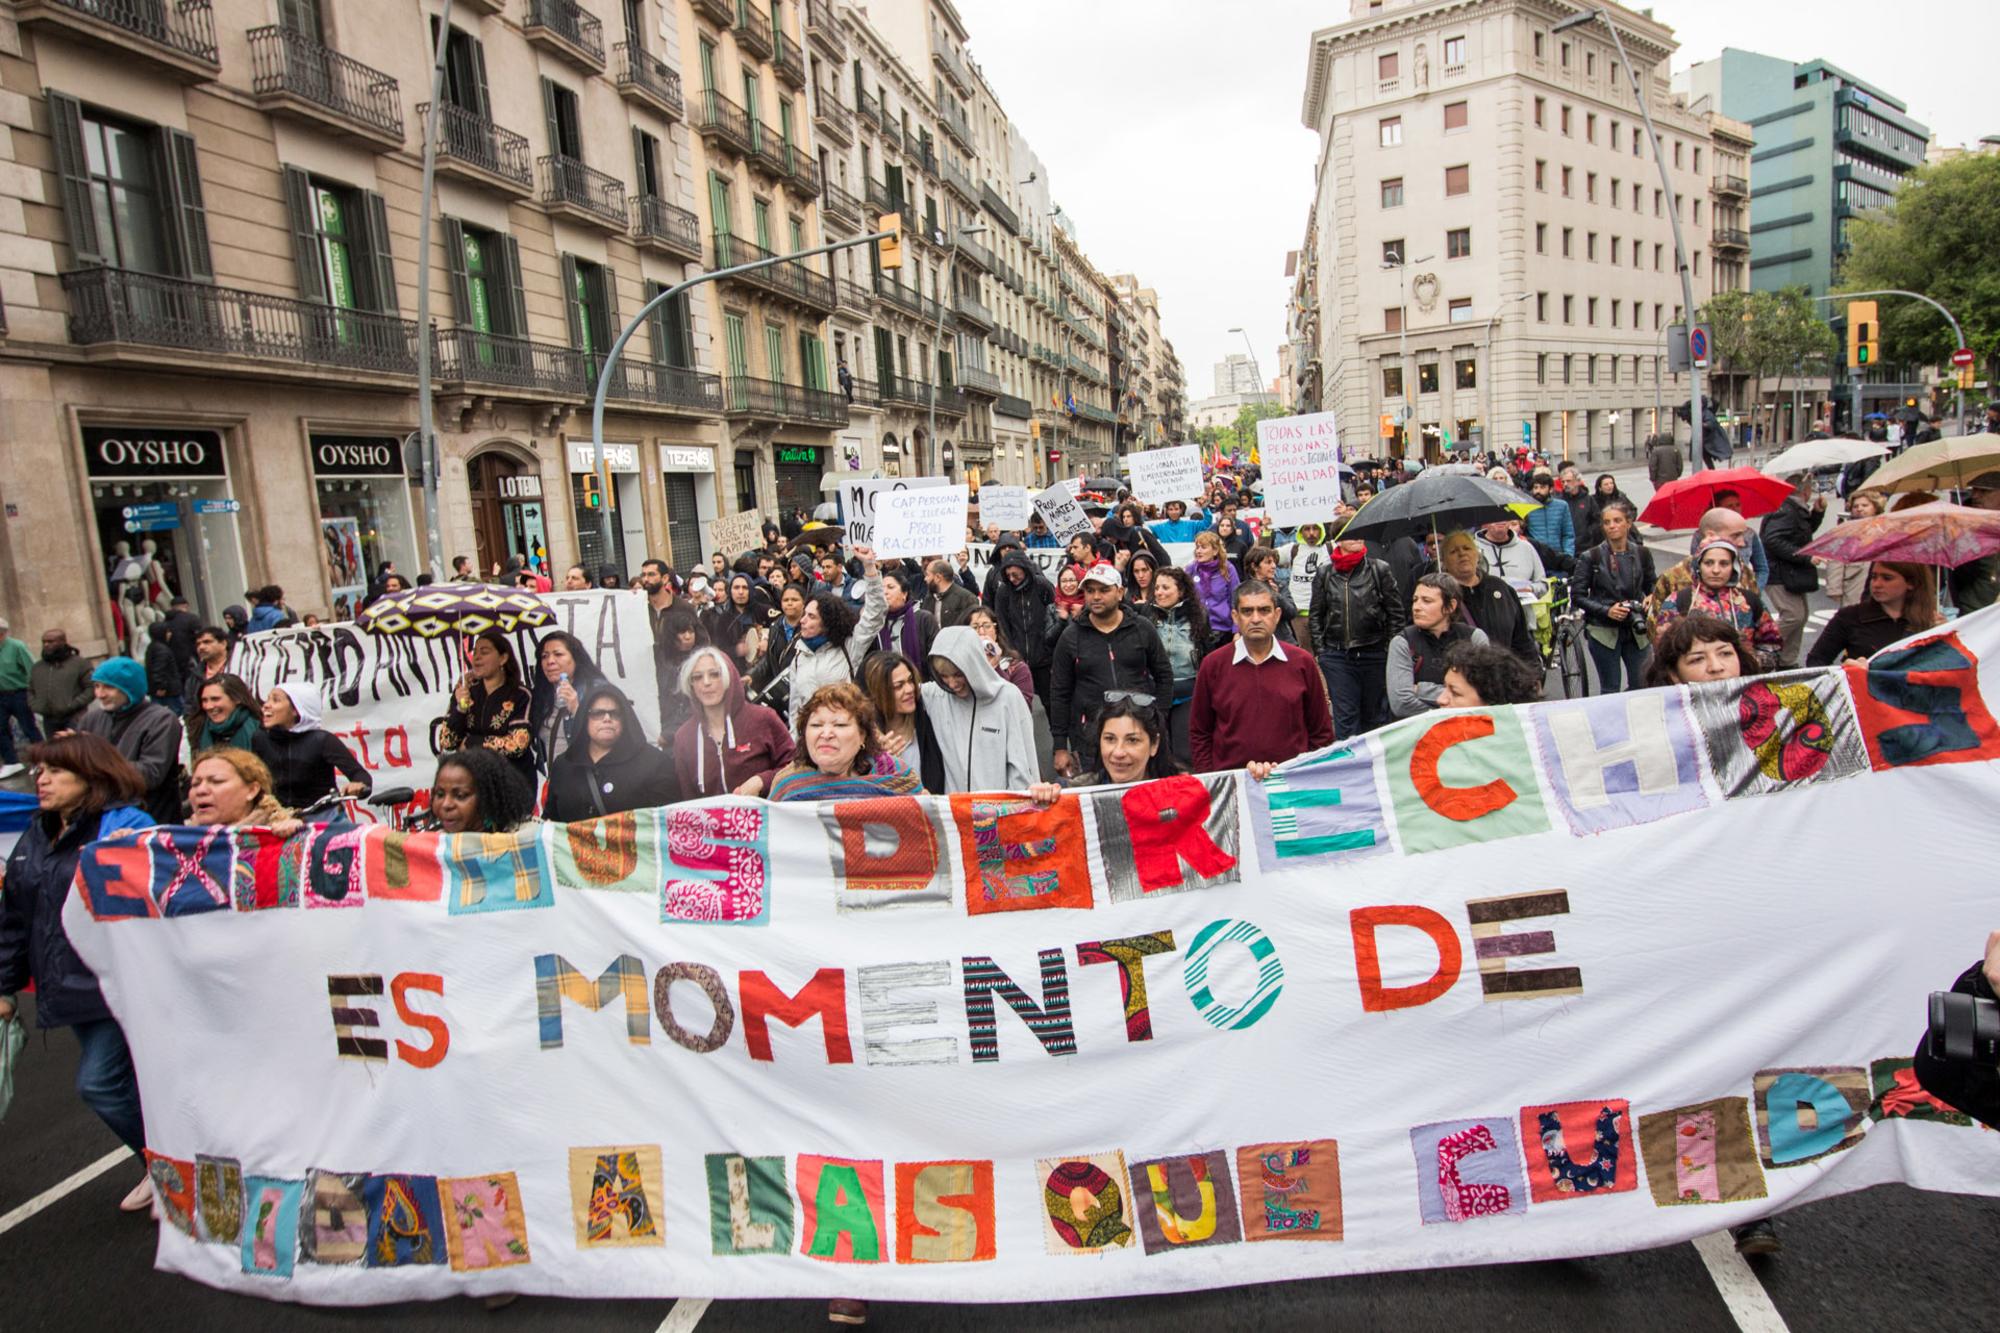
1463	804
1377	998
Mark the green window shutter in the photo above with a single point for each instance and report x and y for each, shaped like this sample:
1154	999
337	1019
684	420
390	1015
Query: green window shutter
656	324
549	114
774	351
735	344
485	107
640	176
516	307
607	294
718	207
458	273
762	213
680	332
571	307
381	264
73	167
708	66
189	223
302	210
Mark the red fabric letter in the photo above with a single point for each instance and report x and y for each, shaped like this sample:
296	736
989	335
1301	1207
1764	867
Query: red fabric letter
1377	998
825	995
399	988
1167	819
1461	803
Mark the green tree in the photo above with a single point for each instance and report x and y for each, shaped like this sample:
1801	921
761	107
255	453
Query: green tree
1761	334
1938	237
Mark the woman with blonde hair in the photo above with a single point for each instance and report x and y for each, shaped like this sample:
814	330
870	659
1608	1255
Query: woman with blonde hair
234	787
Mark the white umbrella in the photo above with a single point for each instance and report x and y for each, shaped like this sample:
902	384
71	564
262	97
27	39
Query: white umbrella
1811	455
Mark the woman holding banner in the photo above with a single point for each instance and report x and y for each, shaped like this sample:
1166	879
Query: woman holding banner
1024	603
608	768
1184	633
489	707
730	745
1131	747
840	755
476	791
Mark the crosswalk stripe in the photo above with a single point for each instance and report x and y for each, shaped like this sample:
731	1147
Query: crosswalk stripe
687	1312
76	1182
1749	1304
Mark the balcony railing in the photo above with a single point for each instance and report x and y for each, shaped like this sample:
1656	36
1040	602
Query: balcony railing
291	68
570	186
789	278
840	208
178	33
820	24
971	252
568	29
879	197
1011	405
955	124
954	71
753	31
868	107
110	305
467	356
668	226
721	120
1734	238
916	393
972	311
804	173
852	296
487	152
978	379
643	75
786	60
1727	184
908	300
957	181
719	11
892	132
833	119
667	386
998	207
773	400
769	152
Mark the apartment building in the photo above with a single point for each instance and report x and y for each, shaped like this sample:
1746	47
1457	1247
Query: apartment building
1143	382
1490	254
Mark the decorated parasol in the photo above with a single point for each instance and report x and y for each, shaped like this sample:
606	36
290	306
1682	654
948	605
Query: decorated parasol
455	608
1932	534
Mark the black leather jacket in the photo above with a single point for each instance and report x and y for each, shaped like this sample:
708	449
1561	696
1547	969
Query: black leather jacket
1361	609
1604	578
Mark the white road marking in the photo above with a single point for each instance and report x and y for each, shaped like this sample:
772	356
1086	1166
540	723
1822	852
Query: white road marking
687	1312
76	1182
1749	1304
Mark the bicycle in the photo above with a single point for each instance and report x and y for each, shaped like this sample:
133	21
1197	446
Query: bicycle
1559	635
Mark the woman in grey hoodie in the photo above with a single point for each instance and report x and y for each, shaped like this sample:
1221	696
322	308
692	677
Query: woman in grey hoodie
984	730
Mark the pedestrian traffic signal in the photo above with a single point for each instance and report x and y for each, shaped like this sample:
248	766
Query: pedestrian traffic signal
890	248
1862	329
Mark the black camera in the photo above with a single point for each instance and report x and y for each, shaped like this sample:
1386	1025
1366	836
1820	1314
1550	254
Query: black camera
1965	1029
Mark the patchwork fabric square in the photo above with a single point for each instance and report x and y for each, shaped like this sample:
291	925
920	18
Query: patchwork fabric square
485	1226
1702	1153
749	1204
1290	1191
944	1212
1773	733
1806	1114
218	1187
1322	810
193	869
271	1235
1468	1169
1578	1150
617	853
333	1222
1462	777
719	864
402	865
1898	1096
405	1222
1019	856
496	872
889	851
1921	705
1620	759
904	995
1083	1203
842	1218
117	876
614	1196
258	880
1237	1012
326	863
1168	836
1185	1202
173	1189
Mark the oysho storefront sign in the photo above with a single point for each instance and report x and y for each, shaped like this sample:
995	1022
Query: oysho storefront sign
357	455
617	457
143	451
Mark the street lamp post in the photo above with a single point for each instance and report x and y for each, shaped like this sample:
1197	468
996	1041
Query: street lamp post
426	428
1487	369
937	335
1695	417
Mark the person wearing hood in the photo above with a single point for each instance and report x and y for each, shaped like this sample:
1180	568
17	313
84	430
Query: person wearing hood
1718	591
985	733
563	673
1125	528
906	627
59	684
146	733
236	620
306	761
681	634
17	665
730	746
833	640
1023	602
609	768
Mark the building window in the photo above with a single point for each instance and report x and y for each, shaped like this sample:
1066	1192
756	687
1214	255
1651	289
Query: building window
1454	52
1541	307
1565	119
1590	246
1590	64
1565	55
1656	316
1615	303
1392	193
1457	180
1566	360
1638	195
1454	116
1461	309
1656	204
1612	198
1568	177
1614	251
1541	238
1614	136
1458	243
1541	106
1392	319
1541	367
1696	257
1677	155
1386	65
1658	252
1427	377
1697	212
1390	131
1392	251
1392	381
1590	311
1541	174
1590	127
1467	369
1590	187
1697	161
1569	313
125	195
1590	368
1569	234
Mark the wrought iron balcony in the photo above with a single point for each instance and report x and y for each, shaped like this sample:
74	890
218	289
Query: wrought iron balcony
840	209
907	300
788	279
974	255
1000	210
583	193
979	380
566	29
835	122
1010	405
110	306
971	311
786	59
294	75
868	107
753	31
958	182
1731	238
717	11
666	227
901	389
721	121
695	392
774	400
925	153
1731	185
879	197
952	117
644	77
495	360
804	174
770	154
946	61
822	28
471	147
852	296
176	35
892	131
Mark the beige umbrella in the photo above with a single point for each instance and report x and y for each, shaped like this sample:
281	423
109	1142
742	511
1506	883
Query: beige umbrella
1937	466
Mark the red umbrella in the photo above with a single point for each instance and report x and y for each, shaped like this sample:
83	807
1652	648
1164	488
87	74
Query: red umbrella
1680	504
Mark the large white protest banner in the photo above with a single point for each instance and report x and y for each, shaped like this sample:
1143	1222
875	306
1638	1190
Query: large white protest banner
1302	467
384	690
1049	559
918	523
1063	513
1003	507
1160	475
1465	989
858	500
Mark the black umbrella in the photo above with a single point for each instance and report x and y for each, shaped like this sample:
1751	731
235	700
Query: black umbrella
1437	501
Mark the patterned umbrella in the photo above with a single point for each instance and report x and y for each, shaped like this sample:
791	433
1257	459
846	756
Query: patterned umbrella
1932	534
455	608
1680	503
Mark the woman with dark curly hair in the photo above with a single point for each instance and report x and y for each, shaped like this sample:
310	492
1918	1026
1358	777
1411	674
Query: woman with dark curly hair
1481	675
477	791
1696	648
839	755
565	674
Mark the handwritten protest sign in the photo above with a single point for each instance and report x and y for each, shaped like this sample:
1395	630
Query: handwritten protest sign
1160	475
734	534
1302	468
926	522
735	1049
1003	507
858	501
1064	514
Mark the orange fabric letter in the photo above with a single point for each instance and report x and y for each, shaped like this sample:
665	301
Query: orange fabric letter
1377	998
1461	803
400	986
825	996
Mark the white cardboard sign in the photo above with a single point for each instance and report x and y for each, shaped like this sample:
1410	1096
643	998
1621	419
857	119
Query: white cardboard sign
1160	475
930	521
1301	459
1063	513
1003	507
858	501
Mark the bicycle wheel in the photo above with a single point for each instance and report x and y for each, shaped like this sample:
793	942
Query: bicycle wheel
1574	663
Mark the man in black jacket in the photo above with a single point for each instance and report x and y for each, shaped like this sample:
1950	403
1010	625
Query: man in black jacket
1097	654
1357	608
1794	577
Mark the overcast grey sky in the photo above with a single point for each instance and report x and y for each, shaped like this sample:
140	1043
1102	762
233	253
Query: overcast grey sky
1173	140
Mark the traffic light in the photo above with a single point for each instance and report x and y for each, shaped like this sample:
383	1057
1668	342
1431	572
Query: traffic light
1862	330
890	248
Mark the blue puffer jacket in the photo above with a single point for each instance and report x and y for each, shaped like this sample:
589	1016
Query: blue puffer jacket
1552	526
32	942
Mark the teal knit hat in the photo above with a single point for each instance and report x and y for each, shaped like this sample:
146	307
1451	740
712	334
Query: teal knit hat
124	675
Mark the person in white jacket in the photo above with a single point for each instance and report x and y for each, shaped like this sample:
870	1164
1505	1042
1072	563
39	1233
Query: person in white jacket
985	733
1514	558
831	641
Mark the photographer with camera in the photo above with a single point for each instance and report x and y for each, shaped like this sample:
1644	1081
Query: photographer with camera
1610	584
1959	1060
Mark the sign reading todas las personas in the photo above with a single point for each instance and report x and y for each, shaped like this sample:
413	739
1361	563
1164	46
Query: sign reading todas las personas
1464	989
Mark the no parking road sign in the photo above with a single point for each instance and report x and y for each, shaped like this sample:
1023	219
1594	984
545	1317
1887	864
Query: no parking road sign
1698	346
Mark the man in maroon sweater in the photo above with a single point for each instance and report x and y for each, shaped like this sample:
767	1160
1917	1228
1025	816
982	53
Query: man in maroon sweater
1257	704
